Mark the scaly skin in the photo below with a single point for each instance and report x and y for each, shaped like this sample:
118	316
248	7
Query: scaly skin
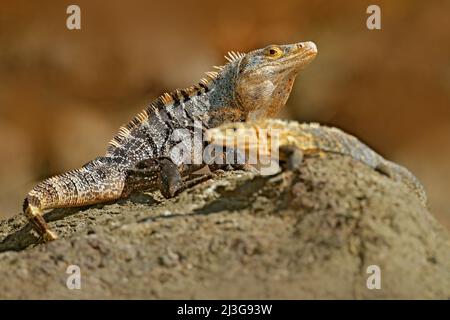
251	86
269	136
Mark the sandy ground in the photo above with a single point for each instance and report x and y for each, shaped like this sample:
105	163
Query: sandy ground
307	234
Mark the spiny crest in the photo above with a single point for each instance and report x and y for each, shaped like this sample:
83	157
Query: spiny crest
166	99
56	178
234	56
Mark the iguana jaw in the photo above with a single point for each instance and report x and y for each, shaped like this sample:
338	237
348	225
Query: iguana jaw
266	77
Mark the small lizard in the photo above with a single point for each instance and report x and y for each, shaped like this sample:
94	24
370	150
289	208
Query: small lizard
140	158
288	141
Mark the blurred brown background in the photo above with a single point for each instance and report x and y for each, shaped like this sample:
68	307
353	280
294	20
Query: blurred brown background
63	93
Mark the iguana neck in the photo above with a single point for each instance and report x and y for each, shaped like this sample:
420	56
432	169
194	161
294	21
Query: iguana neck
218	104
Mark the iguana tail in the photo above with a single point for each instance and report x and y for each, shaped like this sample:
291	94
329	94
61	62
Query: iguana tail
95	182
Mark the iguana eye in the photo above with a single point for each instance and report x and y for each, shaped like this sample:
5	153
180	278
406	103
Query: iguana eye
273	52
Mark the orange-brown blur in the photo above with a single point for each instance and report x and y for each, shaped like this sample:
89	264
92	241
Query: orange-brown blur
63	94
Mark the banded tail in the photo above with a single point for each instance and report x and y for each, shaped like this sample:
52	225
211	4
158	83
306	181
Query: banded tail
95	182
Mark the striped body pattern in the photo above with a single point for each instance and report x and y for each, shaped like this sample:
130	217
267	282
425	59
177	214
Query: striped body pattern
79	187
252	85
309	138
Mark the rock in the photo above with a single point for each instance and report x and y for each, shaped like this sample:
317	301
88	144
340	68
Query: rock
309	234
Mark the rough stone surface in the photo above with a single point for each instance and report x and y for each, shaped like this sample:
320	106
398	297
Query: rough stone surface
308	234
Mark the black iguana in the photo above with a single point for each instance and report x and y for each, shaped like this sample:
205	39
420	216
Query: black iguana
251	86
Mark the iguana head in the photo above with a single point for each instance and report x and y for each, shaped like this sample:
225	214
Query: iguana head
265	77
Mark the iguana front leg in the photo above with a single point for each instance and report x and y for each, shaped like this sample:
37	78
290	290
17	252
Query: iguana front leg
161	173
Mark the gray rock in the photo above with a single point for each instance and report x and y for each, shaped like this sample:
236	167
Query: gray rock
309	234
